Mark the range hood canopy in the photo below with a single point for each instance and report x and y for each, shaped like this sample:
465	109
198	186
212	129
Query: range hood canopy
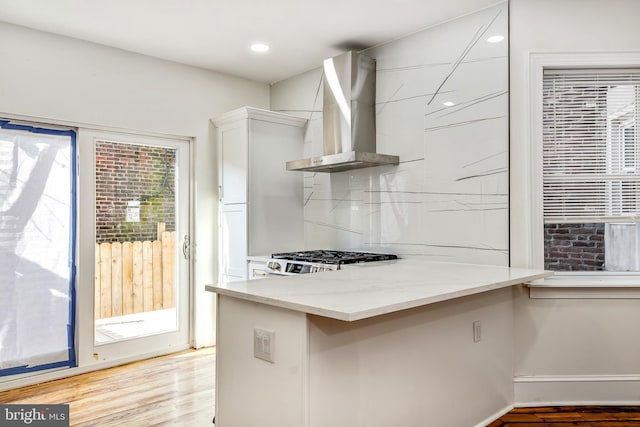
348	118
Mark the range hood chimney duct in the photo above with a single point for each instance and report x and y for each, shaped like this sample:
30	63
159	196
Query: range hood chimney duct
348	117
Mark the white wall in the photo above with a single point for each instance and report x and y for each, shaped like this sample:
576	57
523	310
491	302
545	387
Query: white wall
448	198
548	26
415	367
255	392
50	77
566	349
411	368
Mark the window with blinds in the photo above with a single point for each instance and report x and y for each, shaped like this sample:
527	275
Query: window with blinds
591	146
591	169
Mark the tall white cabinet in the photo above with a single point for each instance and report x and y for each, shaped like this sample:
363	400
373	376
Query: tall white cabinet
260	202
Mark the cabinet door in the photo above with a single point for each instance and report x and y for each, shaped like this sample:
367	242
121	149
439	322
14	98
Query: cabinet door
233	242
233	146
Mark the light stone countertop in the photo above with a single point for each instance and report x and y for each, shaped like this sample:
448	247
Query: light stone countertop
372	289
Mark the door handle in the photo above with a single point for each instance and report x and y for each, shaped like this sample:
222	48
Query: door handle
259	273
186	247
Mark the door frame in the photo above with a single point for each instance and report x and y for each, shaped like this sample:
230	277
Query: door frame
88	353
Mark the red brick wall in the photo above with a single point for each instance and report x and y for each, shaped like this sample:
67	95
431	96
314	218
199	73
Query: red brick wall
127	172
574	247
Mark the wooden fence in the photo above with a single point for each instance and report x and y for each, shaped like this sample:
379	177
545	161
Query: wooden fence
134	277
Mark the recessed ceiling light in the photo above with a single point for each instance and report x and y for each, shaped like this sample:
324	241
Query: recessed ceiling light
495	39
448	104
259	47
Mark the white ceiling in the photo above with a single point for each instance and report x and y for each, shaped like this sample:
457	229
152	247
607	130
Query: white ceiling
216	34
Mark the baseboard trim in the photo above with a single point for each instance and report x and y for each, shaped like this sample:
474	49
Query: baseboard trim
550	390
494	417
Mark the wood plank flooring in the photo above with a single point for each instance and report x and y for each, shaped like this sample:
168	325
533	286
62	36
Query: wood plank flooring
173	390
569	416
178	390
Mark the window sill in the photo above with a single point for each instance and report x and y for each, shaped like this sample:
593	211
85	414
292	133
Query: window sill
586	287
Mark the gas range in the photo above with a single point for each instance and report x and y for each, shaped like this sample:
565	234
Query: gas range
290	263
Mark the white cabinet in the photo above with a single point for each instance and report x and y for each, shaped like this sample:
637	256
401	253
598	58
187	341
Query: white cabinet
233	241
233	150
260	201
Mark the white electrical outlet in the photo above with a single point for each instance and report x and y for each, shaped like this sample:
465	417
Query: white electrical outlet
263	344
477	331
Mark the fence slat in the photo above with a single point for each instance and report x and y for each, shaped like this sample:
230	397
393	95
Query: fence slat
147	275
116	279
161	227
168	273
127	278
105	281
157	275
96	284
138	292
135	277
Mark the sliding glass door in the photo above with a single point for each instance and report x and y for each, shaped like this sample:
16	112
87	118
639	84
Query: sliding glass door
94	247
37	248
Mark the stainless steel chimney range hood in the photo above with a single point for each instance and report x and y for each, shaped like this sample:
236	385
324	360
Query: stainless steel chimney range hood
348	118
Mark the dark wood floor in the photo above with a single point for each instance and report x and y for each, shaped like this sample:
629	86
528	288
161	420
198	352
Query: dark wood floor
566	416
173	390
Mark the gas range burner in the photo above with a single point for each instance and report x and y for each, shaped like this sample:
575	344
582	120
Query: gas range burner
289	263
333	257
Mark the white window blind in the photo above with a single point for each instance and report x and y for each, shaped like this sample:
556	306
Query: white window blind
591	146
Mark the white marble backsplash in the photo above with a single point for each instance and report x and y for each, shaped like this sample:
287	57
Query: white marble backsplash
448	198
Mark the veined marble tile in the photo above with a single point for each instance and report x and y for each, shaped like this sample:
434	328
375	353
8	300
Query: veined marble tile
400	129
448	198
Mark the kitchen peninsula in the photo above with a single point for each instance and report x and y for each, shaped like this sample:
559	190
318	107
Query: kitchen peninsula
395	343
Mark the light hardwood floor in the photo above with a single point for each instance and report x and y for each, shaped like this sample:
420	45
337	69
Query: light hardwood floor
178	390
173	390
